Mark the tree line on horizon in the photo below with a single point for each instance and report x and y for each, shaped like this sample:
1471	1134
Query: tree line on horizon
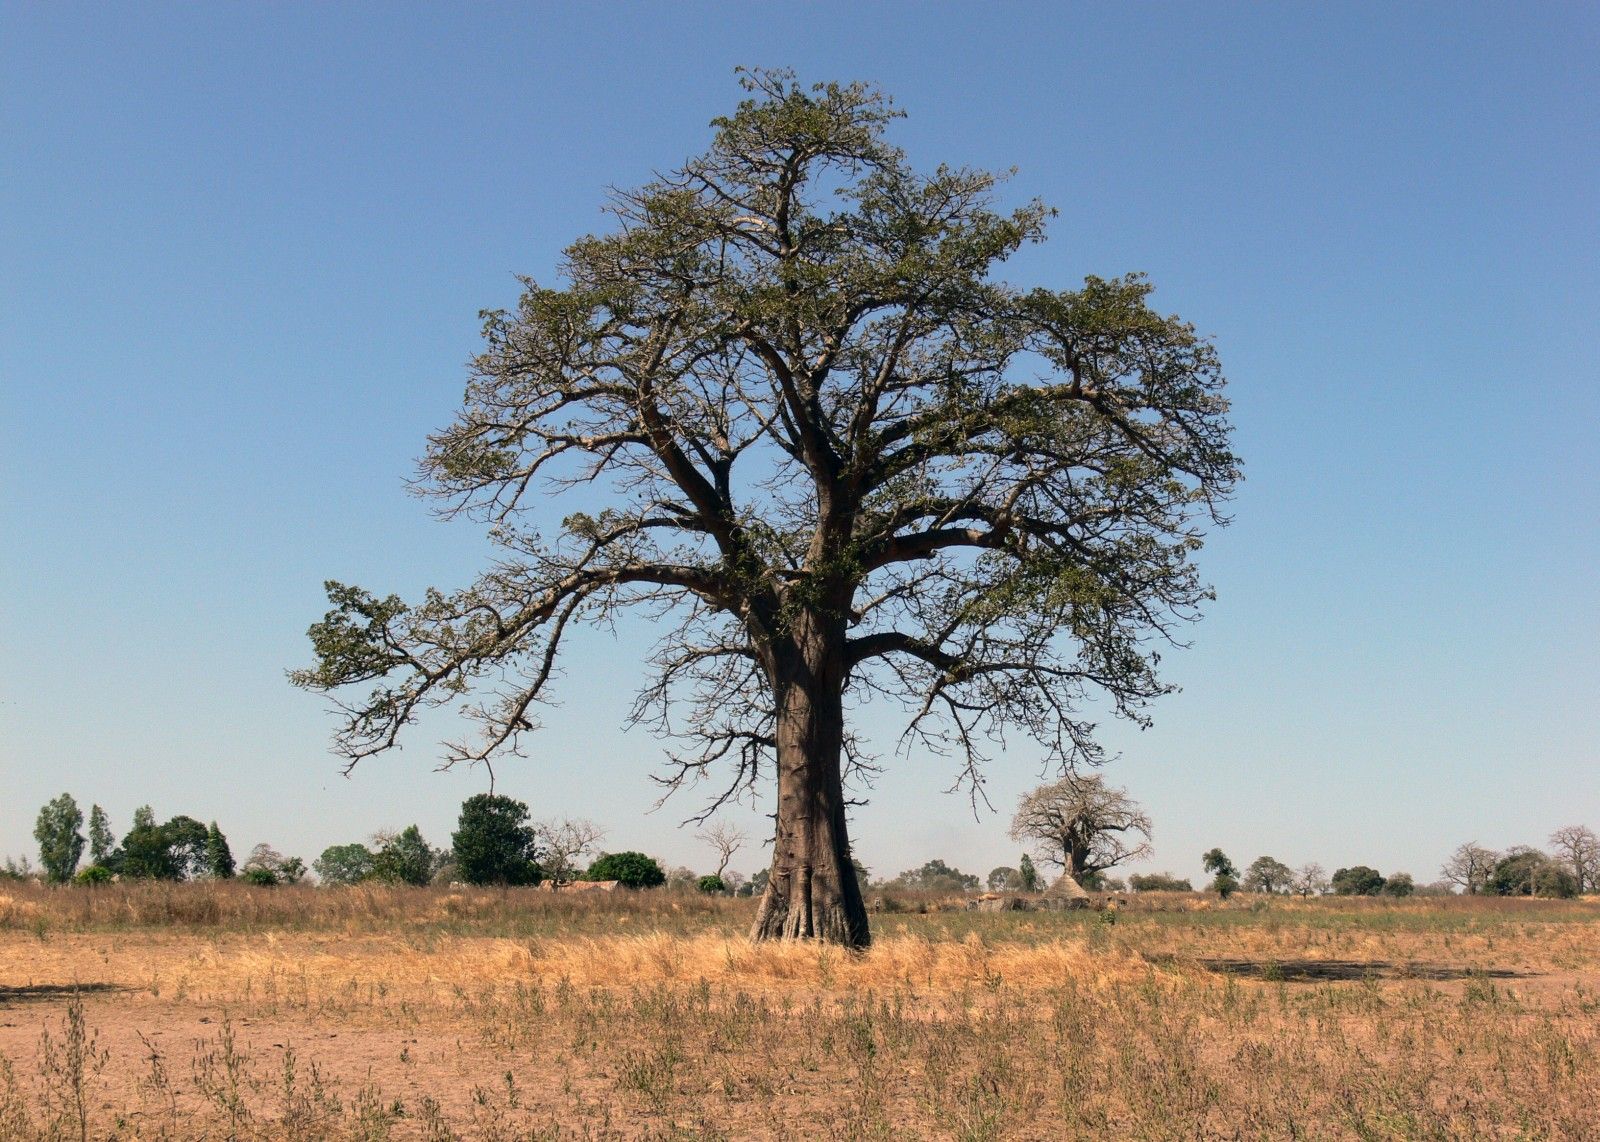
1079	824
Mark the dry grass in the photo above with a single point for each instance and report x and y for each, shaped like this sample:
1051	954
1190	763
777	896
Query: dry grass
226	1012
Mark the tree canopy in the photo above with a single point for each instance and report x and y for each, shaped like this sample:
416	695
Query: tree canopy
1083	825
794	410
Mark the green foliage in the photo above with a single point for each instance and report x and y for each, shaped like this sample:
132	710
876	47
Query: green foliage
1513	874
1358	880
1553	881
146	852
799	390
1399	884
1224	884
1268	875
1003	879
264	859
1216	861
630	869
711	884
494	843
94	874
60	842
1027	875
186	841
1158	882
405	858
101	840
936	876
343	864
219	857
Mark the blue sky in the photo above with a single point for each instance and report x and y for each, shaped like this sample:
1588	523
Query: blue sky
243	249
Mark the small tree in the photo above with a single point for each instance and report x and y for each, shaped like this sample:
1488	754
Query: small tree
1083	825
404	857
219	857
146	851
1579	849
1399	884
1359	880
1028	875
1003	879
343	864
711	884
563	842
1310	880
1555	881
60	842
936	876
1469	867
1225	879
1268	875
493	842
727	839
266	866
630	869
186	840
101	839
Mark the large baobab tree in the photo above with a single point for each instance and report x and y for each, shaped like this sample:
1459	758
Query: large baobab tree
1082	824
840	454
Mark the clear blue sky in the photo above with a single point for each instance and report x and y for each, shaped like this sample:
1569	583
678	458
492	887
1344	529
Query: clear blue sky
243	248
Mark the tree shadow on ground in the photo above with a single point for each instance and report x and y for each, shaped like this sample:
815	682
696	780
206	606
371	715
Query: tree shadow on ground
44	992
1322	971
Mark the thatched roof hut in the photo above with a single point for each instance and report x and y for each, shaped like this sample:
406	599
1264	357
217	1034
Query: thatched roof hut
1065	893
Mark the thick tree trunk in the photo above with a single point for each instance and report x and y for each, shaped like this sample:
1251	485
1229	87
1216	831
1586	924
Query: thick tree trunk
812	891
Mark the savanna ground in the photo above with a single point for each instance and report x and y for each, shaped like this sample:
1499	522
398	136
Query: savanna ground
222	1011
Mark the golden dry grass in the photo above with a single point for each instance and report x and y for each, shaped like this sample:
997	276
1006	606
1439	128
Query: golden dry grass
221	1011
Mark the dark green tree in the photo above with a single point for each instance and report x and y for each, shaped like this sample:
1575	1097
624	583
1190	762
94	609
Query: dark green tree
1399	884
630	869
343	864
101	840
60	842
1358	880
1225	878
186	840
146	850
1028	875
1266	874
219	857
1513	874
405	858
494	843
847	456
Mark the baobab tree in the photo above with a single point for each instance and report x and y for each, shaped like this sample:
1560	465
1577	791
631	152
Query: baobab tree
840	455
1082	824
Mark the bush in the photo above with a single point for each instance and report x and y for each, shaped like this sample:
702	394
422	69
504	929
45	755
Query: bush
1159	882
712	883
1399	884
630	869
1515	872
1359	880
94	874
259	876
1552	881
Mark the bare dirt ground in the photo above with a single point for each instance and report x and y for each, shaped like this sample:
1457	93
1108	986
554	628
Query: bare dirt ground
1288	1021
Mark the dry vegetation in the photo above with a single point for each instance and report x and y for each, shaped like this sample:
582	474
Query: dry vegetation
219	1011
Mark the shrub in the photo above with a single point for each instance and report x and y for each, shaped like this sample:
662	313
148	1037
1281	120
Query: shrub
94	874
1358	880
1399	884
1555	882
712	883
259	876
1159	882
630	869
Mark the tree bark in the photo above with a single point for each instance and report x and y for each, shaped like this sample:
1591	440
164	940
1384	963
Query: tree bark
812	891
